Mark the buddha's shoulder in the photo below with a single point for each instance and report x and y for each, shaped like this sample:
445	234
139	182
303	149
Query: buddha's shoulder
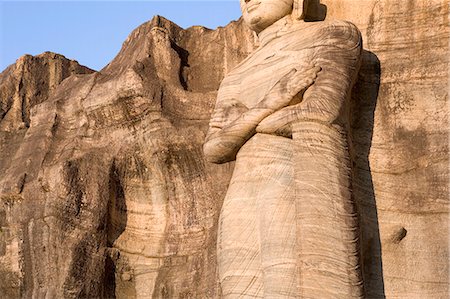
332	30
340	30
339	27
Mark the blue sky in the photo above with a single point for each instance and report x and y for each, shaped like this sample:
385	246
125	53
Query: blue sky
92	32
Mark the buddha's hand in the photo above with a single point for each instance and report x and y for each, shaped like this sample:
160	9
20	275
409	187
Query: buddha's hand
291	85
279	122
227	113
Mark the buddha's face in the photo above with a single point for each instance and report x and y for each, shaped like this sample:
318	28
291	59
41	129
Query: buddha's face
260	14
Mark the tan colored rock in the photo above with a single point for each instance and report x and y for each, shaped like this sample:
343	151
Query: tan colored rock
29	82
400	138
89	143
108	194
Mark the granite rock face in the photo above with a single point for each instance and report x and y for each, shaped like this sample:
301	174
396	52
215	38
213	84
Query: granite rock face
24	85
104	190
29	83
400	138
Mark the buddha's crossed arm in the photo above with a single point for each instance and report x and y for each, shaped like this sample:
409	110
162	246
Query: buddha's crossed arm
232	124
325	101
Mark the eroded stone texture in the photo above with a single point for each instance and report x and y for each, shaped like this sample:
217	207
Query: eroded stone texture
24	85
88	145
400	136
29	82
107	192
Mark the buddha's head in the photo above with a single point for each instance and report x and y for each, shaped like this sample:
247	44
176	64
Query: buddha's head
260	14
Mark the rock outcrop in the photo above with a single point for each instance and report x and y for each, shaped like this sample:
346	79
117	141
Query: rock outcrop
400	136
104	190
28	83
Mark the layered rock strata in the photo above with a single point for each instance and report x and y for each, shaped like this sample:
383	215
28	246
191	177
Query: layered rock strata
103	185
106	192
400	144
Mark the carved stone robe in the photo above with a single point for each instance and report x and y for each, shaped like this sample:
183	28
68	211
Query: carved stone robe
287	192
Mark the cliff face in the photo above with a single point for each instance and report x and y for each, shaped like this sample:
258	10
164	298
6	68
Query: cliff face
400	136
24	85
29	83
104	189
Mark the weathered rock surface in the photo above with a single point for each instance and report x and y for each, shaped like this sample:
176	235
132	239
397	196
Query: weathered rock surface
400	135
104	189
29	82
107	192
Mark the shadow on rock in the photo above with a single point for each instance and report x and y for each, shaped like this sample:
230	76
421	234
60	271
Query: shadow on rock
116	224
364	101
